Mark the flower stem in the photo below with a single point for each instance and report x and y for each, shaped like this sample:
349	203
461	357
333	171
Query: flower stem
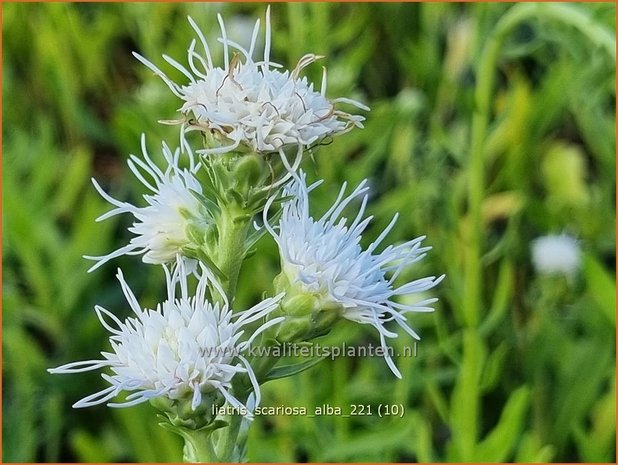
233	227
198	447
230	447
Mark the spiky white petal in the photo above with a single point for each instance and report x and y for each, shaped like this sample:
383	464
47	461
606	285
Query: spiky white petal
184	348
252	104
160	228
324	258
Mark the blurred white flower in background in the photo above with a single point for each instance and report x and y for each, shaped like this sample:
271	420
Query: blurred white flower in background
556	254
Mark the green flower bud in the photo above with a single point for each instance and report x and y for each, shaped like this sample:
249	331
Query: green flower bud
281	283
200	233
307	315
249	172
300	305
179	412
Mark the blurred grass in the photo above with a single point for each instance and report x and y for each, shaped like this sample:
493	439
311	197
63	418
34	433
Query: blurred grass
534	380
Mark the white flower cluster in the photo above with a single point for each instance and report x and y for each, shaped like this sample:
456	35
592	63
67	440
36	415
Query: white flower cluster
187	346
160	228
252	103
324	258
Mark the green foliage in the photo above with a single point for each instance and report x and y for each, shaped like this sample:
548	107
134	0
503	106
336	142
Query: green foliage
531	379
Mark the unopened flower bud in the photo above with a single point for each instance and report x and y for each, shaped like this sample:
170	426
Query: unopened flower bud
180	412
250	171
307	314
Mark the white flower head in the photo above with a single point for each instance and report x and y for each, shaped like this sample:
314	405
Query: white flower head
556	254
184	348
252	105
324	258
160	228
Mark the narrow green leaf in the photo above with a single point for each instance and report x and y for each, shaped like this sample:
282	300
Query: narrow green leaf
465	399
500	442
601	287
290	370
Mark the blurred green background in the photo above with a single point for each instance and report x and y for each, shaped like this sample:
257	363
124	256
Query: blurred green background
512	366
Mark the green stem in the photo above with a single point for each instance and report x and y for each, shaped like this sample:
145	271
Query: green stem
230	447
231	442
198	447
233	228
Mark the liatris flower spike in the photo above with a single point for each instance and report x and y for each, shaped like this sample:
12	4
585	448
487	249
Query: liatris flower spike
186	350
161	228
248	105
191	354
325	269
